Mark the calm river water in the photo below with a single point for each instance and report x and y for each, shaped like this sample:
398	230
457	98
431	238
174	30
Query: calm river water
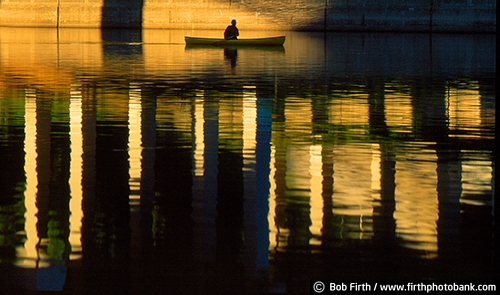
130	164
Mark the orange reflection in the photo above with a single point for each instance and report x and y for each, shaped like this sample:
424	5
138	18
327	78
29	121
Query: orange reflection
28	254
398	107
76	171
464	109
315	167
199	147
416	197
134	142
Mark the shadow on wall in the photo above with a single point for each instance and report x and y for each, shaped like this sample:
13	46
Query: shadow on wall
118	15
122	14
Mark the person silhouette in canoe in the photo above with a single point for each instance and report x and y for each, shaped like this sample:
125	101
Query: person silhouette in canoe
231	31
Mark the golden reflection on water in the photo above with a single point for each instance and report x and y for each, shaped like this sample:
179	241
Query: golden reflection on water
199	144
350	110
29	251
417	202
315	168
464	100
312	174
398	107
249	126
355	187
134	143
76	170
476	177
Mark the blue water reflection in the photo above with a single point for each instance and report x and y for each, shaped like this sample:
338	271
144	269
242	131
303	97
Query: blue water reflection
137	165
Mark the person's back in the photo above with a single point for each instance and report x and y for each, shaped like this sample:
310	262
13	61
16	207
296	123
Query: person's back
231	31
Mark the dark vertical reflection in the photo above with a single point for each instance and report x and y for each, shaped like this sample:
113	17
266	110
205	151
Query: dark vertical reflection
375	89
263	158
53	240
148	131
210	168
449	189
330	223
172	225
230	239
429	117
477	230
384	224
43	130
106	232
111	210
298	220
59	193
489	116
89	119
331	229
12	184
280	168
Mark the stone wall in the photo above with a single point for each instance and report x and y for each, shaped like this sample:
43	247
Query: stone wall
364	15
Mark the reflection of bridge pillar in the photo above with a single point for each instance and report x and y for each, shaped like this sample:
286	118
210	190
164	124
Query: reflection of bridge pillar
233	155
429	117
280	186
30	194
206	131
211	170
301	169
59	195
134	158
17	163
329	232
148	132
320	118
384	225
487	100
257	186
43	122
210	191
250	184
431	123
378	125
56	239
488	117
105	230
89	118
76	150
449	189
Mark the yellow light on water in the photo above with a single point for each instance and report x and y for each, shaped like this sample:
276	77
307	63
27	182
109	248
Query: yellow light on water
28	253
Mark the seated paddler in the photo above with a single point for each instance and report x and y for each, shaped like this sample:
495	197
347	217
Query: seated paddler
231	31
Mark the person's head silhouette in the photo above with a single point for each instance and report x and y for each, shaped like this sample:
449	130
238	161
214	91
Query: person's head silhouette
231	31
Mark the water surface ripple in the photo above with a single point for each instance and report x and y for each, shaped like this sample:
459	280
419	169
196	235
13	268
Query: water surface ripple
132	164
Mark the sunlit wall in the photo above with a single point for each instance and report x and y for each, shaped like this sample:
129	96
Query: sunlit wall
412	15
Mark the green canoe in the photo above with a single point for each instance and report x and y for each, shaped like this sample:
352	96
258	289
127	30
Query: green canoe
270	41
